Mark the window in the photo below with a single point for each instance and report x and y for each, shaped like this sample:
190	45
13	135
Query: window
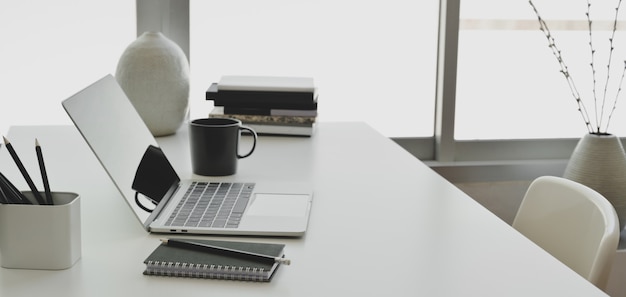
372	61
52	49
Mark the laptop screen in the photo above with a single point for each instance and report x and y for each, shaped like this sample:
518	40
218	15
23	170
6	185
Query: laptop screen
115	132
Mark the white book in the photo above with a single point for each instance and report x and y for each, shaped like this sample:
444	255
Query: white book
266	83
282	129
293	112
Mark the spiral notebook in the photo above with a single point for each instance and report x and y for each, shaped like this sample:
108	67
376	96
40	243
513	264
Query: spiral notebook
180	262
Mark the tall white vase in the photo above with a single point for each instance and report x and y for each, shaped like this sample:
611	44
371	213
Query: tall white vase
153	71
599	162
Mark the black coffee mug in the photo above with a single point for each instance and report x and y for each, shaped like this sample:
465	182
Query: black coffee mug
214	144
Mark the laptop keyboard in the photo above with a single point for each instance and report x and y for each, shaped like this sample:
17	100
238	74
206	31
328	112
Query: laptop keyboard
216	205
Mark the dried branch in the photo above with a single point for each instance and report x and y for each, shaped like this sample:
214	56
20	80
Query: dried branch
599	112
592	64
564	70
619	90
608	66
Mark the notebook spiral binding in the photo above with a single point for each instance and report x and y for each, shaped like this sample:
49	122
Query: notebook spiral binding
178	269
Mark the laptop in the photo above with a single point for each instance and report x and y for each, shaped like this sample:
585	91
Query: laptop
119	138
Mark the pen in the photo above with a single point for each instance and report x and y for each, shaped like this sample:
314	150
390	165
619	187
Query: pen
20	166
44	175
225	251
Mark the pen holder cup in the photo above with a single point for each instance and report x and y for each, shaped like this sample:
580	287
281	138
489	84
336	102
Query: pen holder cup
41	236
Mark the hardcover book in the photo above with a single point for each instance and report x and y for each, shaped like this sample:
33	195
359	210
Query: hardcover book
268	129
267	83
262	99
272	125
219	112
269	111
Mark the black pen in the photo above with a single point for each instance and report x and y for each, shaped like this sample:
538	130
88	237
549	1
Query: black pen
20	166
44	175
225	251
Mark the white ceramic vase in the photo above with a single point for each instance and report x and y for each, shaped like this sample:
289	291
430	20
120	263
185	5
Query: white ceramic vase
599	162
153	71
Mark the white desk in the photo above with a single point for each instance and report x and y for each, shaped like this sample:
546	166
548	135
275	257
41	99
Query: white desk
382	223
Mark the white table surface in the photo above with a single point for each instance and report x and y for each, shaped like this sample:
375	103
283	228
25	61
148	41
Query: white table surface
382	223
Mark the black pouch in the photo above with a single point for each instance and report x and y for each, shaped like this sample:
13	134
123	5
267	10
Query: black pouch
155	176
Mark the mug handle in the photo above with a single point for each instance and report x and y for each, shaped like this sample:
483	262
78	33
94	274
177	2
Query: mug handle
253	143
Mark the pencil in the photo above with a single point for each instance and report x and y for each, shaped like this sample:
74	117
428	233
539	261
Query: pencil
44	175
225	251
4	199
12	194
20	166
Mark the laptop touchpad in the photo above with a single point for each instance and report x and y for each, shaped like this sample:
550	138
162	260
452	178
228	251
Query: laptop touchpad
278	205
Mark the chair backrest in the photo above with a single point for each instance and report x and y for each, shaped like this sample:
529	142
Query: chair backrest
572	222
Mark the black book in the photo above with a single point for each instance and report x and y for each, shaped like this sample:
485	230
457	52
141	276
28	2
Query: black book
262	99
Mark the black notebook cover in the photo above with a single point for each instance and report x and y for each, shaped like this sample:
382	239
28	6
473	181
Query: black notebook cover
180	262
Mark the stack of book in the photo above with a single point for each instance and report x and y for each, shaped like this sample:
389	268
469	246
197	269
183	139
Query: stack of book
267	104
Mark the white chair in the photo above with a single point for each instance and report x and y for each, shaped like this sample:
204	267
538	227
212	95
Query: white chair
572	222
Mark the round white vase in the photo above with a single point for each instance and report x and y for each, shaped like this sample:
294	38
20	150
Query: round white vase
599	162
153	71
